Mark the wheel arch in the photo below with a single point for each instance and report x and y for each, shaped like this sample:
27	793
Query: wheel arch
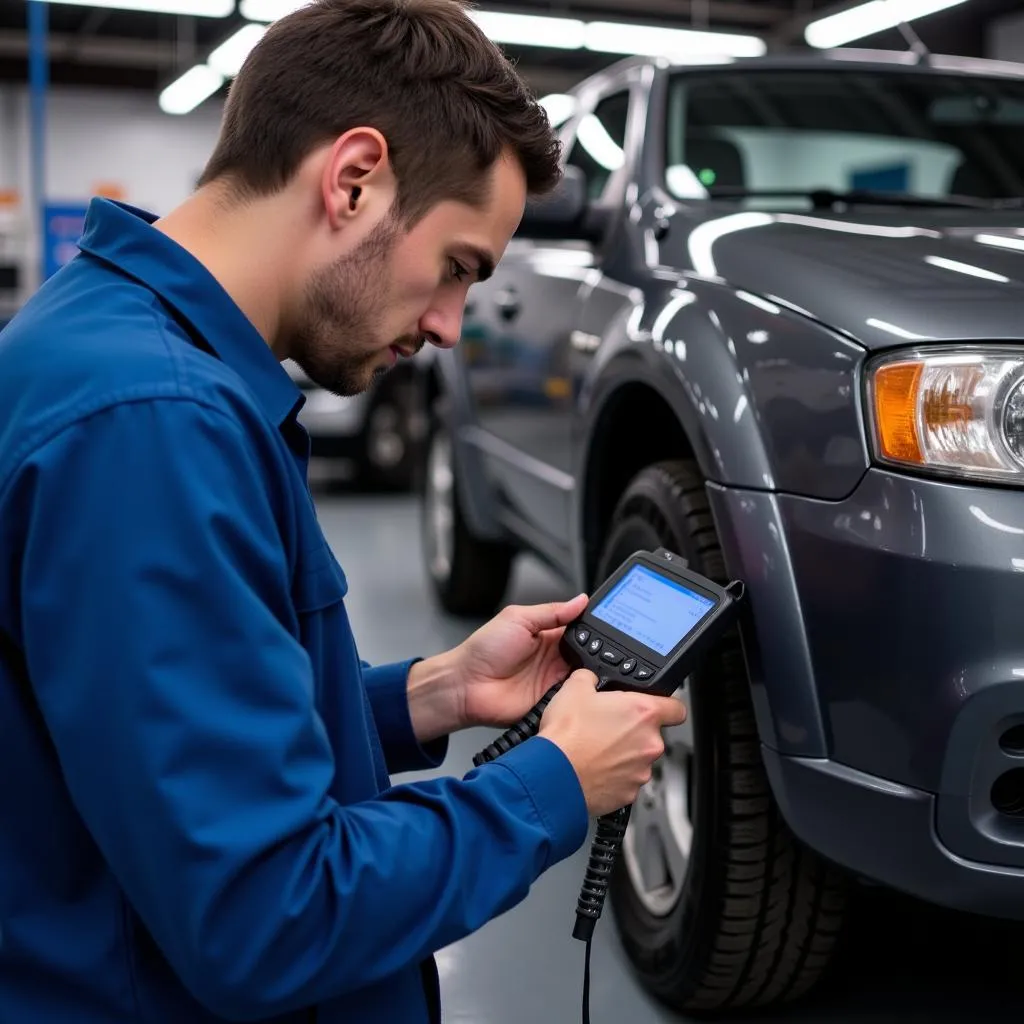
633	422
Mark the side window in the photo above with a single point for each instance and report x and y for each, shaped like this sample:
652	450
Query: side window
600	141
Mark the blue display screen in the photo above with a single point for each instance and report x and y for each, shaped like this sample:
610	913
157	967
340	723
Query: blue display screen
655	611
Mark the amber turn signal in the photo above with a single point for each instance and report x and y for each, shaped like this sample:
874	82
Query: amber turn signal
896	391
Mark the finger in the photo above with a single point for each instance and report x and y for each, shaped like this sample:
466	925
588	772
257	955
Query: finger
551	615
582	677
672	711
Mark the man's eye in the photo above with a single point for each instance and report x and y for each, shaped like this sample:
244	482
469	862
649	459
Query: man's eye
459	272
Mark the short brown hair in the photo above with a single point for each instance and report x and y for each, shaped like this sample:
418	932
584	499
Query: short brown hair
421	72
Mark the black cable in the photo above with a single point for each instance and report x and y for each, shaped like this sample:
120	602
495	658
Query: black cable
586	986
526	727
611	828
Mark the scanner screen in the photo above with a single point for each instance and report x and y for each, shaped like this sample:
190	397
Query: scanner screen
653	610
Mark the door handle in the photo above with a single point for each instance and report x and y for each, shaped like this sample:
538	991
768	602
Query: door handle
507	301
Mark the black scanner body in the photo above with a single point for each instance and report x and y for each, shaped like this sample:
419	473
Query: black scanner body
630	639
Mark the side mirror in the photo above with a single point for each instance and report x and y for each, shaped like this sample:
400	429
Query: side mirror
560	214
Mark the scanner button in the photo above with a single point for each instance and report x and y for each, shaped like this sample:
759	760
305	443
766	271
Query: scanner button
612	657
643	672
627	666
595	645
582	636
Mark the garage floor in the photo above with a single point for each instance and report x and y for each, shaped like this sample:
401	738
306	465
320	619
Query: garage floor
904	962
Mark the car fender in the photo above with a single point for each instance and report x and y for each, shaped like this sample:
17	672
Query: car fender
769	398
721	393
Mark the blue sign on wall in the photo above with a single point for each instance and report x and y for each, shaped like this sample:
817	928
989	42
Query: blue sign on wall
62	228
894	178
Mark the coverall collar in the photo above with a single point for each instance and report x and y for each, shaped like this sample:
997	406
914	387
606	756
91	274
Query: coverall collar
123	236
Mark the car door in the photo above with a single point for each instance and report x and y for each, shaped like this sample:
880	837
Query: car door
525	339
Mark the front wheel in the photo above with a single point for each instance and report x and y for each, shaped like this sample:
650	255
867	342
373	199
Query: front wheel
719	906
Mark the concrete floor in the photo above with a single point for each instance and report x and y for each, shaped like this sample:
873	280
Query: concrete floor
904	962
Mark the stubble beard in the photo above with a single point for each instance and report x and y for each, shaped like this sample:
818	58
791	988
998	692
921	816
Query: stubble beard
336	344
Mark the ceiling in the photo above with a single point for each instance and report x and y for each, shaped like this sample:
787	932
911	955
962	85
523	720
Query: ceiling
101	47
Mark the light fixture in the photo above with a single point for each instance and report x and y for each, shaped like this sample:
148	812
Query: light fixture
196	8
530	29
229	57
869	18
187	92
560	33
654	41
559	107
269	10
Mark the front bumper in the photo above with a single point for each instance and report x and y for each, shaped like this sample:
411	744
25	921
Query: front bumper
887	832
891	675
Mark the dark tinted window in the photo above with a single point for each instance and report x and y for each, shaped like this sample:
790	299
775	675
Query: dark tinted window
600	138
930	134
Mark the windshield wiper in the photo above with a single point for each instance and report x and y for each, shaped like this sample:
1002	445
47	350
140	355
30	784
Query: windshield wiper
824	198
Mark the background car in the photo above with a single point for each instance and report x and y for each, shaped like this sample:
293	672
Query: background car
372	436
773	321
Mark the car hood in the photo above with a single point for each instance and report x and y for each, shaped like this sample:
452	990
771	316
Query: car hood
906	275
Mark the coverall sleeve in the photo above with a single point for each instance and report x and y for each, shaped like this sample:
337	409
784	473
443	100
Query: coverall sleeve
387	686
154	623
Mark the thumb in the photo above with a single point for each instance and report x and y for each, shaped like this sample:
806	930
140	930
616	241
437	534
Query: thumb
540	617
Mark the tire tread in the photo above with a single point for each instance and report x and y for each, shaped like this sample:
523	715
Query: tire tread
781	907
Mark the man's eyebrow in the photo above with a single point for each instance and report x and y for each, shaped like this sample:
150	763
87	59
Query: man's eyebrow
484	261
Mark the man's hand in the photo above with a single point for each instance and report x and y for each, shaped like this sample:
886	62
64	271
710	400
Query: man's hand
496	674
509	663
611	739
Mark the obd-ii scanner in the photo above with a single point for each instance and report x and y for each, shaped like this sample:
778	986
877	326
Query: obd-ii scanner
646	629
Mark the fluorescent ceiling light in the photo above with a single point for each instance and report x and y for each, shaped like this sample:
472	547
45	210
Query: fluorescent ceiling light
869	18
186	93
558	106
571	34
530	29
269	10
197	8
229	57
651	41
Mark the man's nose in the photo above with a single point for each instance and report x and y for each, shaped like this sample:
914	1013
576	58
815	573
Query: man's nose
442	325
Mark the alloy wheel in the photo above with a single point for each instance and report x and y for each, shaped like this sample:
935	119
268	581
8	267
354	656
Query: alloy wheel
439	507
657	844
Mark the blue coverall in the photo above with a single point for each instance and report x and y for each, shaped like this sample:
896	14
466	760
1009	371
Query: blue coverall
196	817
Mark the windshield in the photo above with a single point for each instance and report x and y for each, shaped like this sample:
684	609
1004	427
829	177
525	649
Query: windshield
927	135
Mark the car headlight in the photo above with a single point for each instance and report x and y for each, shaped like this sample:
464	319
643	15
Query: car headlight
958	412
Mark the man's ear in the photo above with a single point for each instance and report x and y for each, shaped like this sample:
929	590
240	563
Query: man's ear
357	176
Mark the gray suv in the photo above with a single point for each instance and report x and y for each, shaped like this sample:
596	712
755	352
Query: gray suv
774	320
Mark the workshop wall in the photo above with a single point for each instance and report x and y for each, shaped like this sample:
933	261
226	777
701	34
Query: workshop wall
98	142
99	139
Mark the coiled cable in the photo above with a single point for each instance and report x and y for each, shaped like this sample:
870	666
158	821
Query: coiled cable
611	829
526	727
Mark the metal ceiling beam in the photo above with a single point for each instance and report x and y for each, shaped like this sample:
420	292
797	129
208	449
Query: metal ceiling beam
134	56
96	50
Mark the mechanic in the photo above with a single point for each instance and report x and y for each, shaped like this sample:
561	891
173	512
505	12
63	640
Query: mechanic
198	817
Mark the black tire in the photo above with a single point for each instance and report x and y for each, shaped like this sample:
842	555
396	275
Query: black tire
391	438
470	576
758	915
